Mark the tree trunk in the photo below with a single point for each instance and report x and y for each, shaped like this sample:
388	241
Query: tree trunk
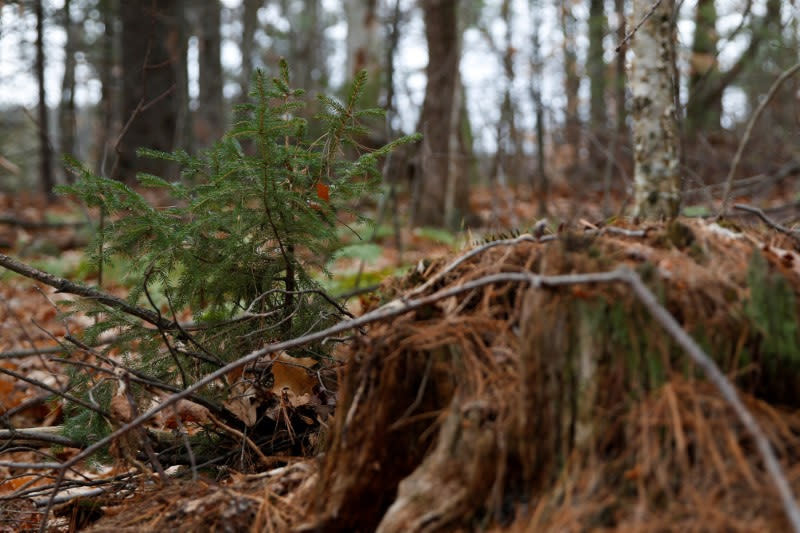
441	31
655	135
45	150
363	53
66	108
151	50
184	122
513	140
703	113
306	44
540	186
106	107
572	83
621	78
210	122
363	50
596	69
246	45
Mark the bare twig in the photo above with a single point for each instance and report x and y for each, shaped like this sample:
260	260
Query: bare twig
79	289
788	73
53	390
763	216
17	354
631	33
50	435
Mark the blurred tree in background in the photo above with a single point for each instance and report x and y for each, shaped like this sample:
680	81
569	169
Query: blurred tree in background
515	97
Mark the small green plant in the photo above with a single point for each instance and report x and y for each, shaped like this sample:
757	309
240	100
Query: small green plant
248	228
773	311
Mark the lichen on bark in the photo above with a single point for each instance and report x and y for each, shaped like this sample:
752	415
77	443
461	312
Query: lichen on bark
655	135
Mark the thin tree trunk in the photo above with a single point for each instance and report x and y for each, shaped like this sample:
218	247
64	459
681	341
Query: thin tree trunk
246	45
596	69
442	34
66	109
107	96
45	150
572	84
621	78
210	122
540	186
702	113
305	40
152	47
655	134
184	117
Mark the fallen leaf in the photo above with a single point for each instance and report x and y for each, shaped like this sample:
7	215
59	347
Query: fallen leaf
242	402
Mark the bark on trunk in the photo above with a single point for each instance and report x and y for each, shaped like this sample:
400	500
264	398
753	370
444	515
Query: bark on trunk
703	113
249	22
151	49
655	136
210	123
441	30
45	150
107	109
596	65
66	111
572	83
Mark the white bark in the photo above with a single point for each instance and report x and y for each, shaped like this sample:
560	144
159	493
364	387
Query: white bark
655	133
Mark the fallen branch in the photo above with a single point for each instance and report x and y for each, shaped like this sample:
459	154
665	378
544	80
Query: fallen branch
763	216
66	396
17	354
525	237
79	289
402	306
26	436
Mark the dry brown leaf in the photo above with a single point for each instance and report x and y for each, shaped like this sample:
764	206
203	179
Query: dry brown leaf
185	411
291	373
242	402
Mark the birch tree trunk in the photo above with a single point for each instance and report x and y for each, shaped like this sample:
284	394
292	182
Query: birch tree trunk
655	133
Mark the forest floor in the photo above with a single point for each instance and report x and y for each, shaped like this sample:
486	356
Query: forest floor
494	401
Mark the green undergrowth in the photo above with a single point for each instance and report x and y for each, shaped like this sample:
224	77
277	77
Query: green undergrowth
248	232
757	342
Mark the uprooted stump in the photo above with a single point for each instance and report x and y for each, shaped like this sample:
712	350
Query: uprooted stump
570	409
511	407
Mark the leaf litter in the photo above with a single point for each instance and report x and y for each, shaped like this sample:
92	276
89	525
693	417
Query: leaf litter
510	408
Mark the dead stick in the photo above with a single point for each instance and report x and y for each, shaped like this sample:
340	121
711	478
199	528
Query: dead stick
51	435
79	289
763	216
